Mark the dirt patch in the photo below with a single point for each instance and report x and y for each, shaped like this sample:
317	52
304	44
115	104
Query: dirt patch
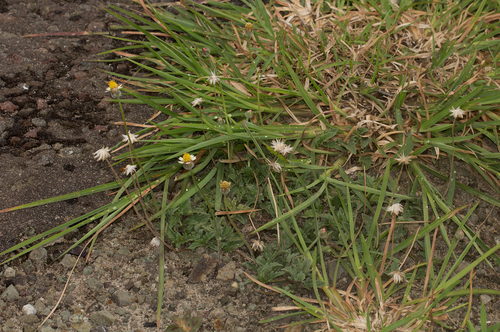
54	114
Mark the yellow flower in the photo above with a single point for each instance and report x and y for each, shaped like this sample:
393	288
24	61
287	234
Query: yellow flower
114	89
187	161
225	187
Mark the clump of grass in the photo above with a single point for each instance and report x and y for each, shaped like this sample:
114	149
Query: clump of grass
288	101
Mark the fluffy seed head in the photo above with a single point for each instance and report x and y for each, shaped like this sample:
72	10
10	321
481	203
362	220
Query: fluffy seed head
279	146
129	169
404	160
102	154
398	276
395	209
197	102
258	245
457	112
213	79
133	138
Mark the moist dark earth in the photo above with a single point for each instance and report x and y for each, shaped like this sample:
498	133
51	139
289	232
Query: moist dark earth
54	114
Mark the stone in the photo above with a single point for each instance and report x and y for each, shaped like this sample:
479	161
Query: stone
65	315
227	272
231	309
70	151
123	252
83	327
39	122
141	299
481	272
46	160
80	75
28	266
41	307
26	111
461	266
103	318
88	270
8	107
29	319
33	133
122	298
68	261
9	273
41	104
10	294
95	285
202	270
120	311
46	329
76	319
485	298
3	306
29	309
217	313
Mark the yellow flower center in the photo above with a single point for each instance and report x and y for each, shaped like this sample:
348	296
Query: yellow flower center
112	85
224	185
186	158
248	27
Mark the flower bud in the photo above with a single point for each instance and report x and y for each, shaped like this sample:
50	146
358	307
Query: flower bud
249	29
323	234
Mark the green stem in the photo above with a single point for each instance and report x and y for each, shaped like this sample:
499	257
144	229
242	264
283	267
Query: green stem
258	81
237	230
211	211
132	150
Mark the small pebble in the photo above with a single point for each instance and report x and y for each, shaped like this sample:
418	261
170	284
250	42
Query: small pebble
155	242
9	273
485	298
29	310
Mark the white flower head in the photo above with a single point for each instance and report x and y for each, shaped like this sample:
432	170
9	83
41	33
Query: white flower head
257	245
395	209
275	166
187	161
398	276
133	138
102	154
155	242
197	102
213	79
114	89
279	146
457	112
129	169
404	160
